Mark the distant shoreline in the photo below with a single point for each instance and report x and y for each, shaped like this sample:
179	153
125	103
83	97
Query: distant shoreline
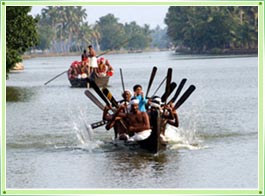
28	56
219	52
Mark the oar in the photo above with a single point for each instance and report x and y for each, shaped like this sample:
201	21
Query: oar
122	81
99	92
89	94
98	124
159	86
169	77
112	100
181	84
152	76
55	77
172	87
123	88
185	96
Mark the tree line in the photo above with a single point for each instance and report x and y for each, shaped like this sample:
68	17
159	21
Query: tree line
65	29
194	29
213	28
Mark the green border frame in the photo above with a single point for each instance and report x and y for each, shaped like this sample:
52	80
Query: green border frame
258	191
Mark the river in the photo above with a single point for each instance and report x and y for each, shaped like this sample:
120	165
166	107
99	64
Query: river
216	145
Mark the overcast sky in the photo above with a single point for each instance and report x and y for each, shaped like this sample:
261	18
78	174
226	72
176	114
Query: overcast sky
151	15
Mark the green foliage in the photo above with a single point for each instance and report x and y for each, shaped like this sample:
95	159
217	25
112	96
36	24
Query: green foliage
45	37
140	37
202	29
21	33
62	29
112	33
160	38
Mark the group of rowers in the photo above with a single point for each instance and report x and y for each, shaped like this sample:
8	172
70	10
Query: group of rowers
131	120
90	64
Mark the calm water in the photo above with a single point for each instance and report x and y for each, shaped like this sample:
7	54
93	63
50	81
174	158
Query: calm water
216	145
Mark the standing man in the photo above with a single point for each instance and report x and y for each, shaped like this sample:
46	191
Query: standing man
93	58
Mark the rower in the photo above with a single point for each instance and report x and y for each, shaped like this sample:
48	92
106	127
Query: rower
174	122
168	115
138	122
119	125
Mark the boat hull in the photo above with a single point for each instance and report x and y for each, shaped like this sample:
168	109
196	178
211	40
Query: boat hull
153	143
84	82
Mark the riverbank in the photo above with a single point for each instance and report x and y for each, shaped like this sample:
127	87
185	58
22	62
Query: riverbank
218	51
212	52
34	55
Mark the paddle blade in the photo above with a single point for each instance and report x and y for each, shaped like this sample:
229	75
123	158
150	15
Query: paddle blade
181	84
185	96
152	76
112	100
169	77
94	99
172	87
99	92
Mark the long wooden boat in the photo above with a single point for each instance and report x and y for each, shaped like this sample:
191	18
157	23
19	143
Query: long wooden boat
153	143
82	80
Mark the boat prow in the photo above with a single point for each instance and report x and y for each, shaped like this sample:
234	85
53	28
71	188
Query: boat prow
154	143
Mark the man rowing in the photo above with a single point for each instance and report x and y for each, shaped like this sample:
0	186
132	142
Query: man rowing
168	115
137	122
119	125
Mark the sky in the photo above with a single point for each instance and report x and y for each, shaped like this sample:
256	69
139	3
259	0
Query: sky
151	15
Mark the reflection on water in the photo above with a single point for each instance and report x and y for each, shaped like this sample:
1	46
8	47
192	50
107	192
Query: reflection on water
19	94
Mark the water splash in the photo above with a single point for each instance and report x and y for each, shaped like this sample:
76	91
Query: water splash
183	139
84	132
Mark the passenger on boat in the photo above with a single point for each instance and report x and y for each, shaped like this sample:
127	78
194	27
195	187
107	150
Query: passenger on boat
93	59
73	71
104	67
85	63
139	94
110	69
84	56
